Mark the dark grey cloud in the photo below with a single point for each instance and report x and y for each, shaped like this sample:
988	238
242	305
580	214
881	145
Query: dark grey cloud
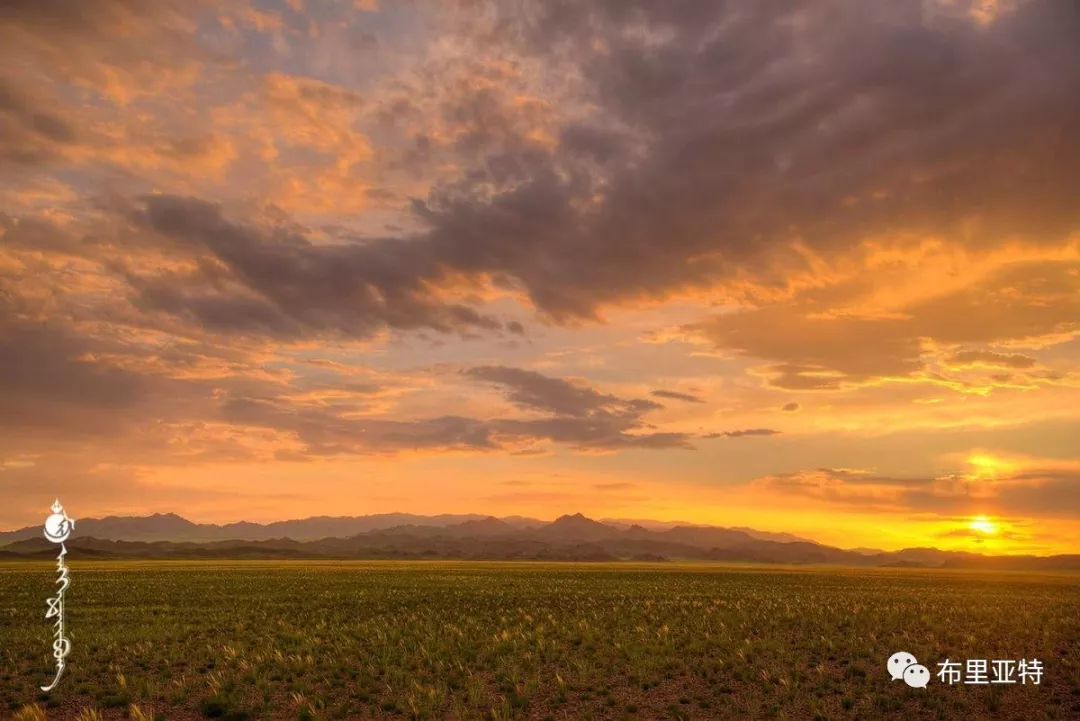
580	416
273	280
54	54
559	396
790	407
576	416
720	134
63	386
743	433
63	17
60	378
754	125
50	381
73	397
325	433
31	131
991	358
121	37
675	395
601	431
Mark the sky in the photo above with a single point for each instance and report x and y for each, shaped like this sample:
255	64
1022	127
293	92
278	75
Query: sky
809	267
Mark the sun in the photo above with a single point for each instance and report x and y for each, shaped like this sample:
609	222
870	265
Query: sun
983	525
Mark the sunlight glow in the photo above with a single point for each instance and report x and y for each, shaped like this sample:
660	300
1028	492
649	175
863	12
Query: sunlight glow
987	466
983	525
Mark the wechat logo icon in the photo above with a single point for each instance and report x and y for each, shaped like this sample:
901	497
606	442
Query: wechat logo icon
903	666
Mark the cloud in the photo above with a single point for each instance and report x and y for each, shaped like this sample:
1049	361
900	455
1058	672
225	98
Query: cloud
47	381
119	49
990	358
31	131
580	416
674	395
743	433
736	154
815	349
301	144
685	157
325	433
530	389
275	281
615	486
865	199
200	383
1040	488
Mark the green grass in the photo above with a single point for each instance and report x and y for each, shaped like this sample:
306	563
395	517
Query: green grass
273	640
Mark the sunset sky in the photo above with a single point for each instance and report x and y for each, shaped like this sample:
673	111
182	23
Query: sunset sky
806	267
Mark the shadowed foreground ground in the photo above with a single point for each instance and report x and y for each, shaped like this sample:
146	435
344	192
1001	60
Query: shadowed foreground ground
255	640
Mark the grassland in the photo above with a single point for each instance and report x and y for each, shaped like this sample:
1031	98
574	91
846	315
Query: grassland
502	641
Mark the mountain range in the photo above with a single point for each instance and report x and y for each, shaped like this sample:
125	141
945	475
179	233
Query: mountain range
468	536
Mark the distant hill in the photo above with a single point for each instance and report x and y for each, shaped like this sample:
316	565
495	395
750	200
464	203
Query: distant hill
576	527
489	526
569	538
171	527
665	525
